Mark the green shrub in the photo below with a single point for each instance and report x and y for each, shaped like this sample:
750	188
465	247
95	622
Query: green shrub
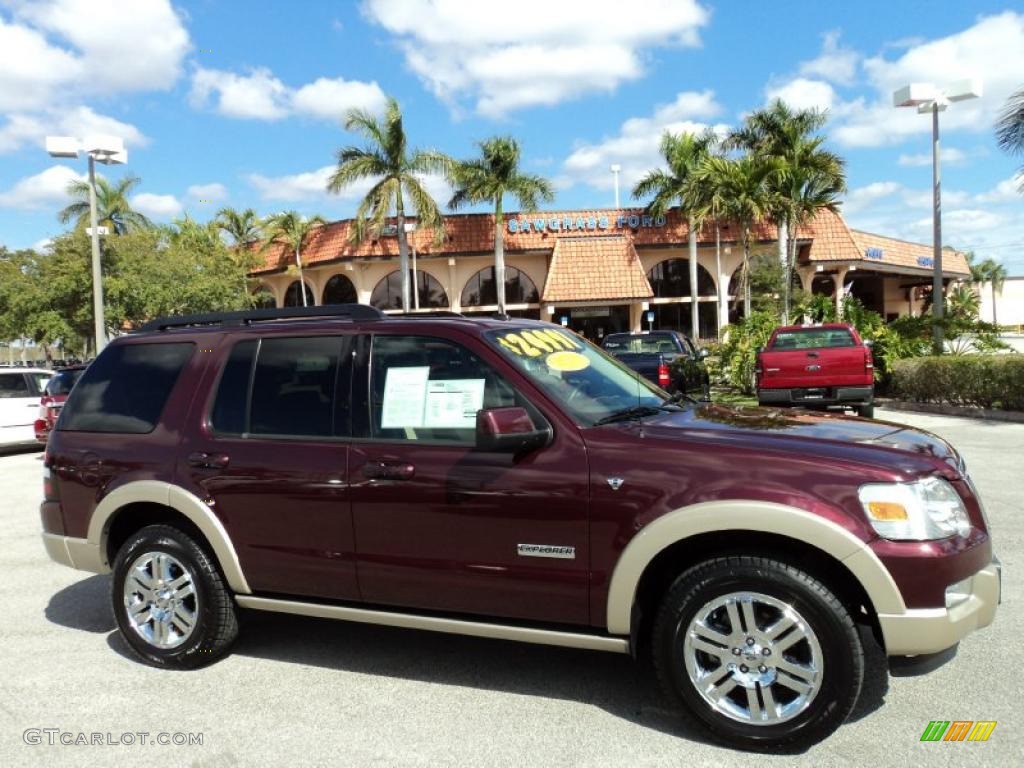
983	381
740	347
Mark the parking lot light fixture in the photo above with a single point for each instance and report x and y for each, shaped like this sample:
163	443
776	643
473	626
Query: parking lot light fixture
108	150
929	98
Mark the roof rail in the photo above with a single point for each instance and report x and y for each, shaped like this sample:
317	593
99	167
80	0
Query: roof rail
248	316
431	313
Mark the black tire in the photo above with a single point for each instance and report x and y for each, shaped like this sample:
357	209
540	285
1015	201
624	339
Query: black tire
866	411
215	623
841	652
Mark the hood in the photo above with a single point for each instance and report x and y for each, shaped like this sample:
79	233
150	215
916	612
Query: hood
733	421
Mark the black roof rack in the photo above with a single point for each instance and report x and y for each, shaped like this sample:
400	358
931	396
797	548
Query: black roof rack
431	313
248	316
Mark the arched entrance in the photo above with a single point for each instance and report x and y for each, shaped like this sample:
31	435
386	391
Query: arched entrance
340	290
670	281
481	291
387	294
292	297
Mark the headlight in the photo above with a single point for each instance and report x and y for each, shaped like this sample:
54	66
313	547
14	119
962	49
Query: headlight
921	511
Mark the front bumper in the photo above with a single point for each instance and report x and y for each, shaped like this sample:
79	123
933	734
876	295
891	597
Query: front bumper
920	631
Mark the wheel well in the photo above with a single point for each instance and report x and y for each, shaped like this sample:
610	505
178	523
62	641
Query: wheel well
133	517
676	558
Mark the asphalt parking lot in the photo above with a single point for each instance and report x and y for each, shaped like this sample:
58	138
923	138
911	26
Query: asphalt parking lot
301	691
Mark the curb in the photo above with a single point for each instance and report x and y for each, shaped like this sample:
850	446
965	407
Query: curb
941	409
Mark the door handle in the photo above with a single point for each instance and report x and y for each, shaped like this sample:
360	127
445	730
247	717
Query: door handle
382	470
207	460
812	354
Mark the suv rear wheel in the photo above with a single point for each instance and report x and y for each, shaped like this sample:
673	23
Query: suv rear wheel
170	601
759	652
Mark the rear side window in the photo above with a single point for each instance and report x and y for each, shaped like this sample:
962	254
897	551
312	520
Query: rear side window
125	389
232	403
813	338
14	385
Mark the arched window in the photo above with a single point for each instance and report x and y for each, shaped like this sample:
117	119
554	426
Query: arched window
292	297
671	278
481	288
388	292
339	290
262	298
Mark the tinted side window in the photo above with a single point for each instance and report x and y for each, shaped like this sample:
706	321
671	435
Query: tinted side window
125	389
231	405
424	388
13	385
293	386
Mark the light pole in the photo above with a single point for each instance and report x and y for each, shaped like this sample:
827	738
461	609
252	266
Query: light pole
108	150
929	98
615	168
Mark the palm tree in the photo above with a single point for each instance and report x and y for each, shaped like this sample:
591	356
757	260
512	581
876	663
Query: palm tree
684	153
112	207
711	203
396	171
992	272
489	178
245	230
291	229
243	227
1010	128
778	131
746	187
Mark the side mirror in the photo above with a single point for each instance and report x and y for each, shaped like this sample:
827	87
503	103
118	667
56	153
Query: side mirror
509	430
702	353
869	343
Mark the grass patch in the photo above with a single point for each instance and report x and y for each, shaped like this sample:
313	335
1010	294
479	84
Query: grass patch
732	397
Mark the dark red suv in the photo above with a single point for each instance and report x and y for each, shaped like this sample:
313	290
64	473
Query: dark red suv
504	478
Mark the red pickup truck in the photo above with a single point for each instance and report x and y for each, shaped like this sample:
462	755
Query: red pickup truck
816	367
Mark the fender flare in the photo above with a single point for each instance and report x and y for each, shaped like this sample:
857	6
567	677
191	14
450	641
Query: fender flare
180	500
739	515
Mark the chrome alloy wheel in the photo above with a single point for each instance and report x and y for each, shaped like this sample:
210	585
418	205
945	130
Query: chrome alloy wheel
753	658
160	600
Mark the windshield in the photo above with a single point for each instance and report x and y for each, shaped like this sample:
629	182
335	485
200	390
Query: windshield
588	383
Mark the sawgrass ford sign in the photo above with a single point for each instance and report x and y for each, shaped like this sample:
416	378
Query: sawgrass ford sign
564	223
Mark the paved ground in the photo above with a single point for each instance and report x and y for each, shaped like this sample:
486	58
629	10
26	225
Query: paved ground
306	691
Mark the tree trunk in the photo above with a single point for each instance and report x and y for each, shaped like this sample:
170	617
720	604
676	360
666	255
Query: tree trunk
302	281
691	241
499	254
718	276
791	265
746	273
403	252
994	321
784	259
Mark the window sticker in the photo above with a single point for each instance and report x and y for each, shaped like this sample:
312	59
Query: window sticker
567	361
453	403
405	396
557	348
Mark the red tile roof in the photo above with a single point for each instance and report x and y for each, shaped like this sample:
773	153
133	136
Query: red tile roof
598	267
889	250
830	238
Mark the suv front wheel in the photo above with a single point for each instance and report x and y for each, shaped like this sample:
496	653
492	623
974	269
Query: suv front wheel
759	652
170	601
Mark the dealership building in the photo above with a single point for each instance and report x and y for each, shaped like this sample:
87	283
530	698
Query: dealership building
598	271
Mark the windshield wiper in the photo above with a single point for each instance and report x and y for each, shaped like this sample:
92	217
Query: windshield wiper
679	397
635	412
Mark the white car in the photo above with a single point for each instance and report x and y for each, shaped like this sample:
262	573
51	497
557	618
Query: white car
20	391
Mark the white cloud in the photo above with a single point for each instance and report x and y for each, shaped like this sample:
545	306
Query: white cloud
860	198
802	93
635	147
297	186
260	95
42	245
58	48
969	53
1007	190
542	54
947	156
332	99
42	190
156	206
26	129
207	193
835	63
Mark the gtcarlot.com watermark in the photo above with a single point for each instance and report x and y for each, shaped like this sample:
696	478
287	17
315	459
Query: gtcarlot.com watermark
53	737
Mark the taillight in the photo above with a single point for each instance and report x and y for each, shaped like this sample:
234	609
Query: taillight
869	362
663	377
49	485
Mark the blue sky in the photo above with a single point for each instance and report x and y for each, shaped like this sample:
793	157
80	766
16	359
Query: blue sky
241	104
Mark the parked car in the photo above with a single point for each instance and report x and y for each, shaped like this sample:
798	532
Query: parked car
20	390
666	358
54	395
503	478
817	366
